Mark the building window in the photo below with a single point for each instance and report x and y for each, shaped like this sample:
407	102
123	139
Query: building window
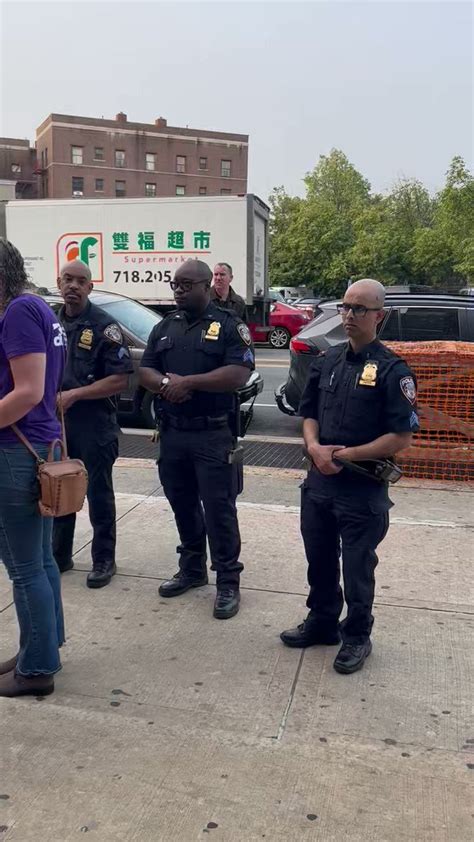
16	167
225	191
203	191
180	163
119	158
225	169
77	186
150	161
150	189
76	154
120	189
203	163
99	185
46	156
180	190
99	153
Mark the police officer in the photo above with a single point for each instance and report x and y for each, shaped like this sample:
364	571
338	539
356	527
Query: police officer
97	369
194	361
223	294
359	404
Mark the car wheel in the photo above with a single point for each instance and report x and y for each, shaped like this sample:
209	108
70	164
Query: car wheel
148	416
279	337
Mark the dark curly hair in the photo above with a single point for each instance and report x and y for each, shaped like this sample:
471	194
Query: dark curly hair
13	277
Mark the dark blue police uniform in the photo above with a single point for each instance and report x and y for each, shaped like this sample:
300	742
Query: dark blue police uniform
96	349
196	439
355	398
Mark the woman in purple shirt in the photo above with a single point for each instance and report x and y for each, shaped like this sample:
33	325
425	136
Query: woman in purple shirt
32	356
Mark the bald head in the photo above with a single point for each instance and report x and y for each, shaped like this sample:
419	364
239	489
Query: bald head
374	291
75	285
77	268
362	312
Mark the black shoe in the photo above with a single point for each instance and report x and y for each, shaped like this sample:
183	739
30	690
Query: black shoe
180	584
309	633
101	574
65	566
351	656
227	603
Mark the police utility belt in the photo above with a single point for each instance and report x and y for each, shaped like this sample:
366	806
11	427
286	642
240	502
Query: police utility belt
178	422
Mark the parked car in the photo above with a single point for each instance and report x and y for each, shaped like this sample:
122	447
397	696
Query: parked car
308	304
409	318
284	322
137	322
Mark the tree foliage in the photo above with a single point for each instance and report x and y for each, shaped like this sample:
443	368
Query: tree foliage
342	231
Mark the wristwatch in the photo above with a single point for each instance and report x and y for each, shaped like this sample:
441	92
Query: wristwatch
164	382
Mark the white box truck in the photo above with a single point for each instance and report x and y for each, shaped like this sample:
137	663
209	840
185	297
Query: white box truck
134	246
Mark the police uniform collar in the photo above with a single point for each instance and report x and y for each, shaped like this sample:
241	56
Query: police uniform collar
365	352
83	317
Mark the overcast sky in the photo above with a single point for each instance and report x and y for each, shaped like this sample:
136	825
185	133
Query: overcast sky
389	83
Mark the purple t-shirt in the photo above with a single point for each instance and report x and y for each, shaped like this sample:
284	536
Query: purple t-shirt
29	326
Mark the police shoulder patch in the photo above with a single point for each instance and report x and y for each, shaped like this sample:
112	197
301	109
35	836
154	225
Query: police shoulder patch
244	333
114	333
408	388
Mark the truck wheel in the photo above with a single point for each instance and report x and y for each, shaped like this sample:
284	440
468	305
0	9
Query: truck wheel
279	338
148	411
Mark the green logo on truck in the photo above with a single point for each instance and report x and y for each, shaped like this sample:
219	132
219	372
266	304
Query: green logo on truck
86	247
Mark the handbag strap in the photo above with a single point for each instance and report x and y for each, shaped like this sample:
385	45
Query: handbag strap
62	442
27	444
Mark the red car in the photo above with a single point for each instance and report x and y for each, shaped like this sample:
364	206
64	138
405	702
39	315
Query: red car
284	321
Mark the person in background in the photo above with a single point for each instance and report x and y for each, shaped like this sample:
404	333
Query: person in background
32	359
222	293
359	404
97	369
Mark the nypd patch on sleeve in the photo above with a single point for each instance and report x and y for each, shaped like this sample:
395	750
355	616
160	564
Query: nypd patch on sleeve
114	333
244	333
408	388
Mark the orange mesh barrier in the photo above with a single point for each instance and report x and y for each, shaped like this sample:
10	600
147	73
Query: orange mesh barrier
444	447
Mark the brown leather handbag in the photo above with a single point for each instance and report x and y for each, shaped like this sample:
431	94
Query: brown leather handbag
63	483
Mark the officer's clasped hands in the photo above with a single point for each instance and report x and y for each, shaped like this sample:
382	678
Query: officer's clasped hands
177	389
322	457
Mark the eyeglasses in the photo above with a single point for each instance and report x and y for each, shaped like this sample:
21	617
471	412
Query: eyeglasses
185	286
357	309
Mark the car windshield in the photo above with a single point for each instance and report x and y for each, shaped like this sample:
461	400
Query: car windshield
132	316
277	296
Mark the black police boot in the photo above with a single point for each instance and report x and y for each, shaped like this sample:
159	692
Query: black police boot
64	566
310	633
351	657
227	602
101	574
180	583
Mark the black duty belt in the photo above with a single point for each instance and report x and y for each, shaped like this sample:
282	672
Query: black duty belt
200	423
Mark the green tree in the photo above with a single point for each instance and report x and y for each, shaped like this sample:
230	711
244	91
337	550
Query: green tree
339	230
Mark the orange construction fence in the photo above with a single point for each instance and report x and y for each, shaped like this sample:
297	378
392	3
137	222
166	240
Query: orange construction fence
444	447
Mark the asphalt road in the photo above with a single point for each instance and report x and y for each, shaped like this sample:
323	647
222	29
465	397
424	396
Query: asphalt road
268	420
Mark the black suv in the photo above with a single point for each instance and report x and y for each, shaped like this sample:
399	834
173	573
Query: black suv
409	318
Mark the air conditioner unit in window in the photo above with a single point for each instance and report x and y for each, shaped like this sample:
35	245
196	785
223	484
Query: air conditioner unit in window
77	194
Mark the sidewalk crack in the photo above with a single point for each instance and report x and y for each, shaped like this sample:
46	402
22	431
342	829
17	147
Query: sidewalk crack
282	727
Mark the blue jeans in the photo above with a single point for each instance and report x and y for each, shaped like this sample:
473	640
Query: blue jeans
25	547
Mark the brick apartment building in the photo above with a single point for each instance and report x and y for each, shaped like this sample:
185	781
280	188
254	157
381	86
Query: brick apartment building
97	158
18	164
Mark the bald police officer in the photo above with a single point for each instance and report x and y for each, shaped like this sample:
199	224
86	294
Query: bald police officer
194	361
97	368
359	404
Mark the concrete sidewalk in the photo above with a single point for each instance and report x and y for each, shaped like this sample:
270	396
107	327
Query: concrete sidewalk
169	725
